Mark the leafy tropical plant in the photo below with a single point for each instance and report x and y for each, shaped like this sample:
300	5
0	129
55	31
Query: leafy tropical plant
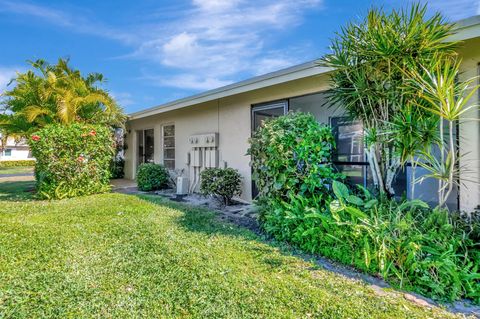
372	60
56	94
433	252
224	183
291	155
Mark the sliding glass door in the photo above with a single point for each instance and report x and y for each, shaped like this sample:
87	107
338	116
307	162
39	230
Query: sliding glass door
145	150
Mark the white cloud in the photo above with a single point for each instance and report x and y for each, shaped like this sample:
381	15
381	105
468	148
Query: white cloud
188	81
75	22
211	43
218	40
454	9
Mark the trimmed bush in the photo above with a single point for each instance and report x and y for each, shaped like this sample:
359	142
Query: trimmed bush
152	177
17	163
223	183
72	160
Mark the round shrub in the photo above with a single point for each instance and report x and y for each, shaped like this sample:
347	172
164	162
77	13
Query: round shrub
221	182
72	160
152	177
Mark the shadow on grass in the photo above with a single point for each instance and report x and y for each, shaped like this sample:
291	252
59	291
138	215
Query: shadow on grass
17	190
200	219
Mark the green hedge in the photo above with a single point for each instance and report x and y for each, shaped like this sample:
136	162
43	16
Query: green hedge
17	163
72	160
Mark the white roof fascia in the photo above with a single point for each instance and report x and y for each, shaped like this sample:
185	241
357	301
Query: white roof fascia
465	29
285	75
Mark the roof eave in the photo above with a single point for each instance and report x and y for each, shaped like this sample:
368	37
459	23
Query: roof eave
285	75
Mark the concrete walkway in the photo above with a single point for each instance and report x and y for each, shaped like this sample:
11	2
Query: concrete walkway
15	175
125	186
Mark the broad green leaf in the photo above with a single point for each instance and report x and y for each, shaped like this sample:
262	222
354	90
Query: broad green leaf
355	212
340	190
352	199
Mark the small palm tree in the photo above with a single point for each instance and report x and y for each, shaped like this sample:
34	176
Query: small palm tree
58	94
371	61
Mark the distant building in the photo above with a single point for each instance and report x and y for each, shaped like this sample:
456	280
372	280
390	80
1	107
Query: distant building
14	150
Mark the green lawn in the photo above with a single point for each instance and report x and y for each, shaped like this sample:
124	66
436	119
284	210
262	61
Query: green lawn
16	190
16	170
122	256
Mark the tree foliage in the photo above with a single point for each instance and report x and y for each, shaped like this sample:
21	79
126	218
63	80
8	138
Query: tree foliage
372	62
56	93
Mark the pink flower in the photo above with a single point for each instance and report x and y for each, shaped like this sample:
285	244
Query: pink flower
92	133
35	137
80	158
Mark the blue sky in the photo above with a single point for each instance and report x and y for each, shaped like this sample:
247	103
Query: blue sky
153	52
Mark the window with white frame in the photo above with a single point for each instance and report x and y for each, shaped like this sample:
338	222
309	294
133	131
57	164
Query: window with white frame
8	152
168	140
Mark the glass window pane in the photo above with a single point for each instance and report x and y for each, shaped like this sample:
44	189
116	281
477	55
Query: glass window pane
8	152
169	164
169	146
355	174
149	146
169	153
169	141
349	140
264	112
316	104
169	130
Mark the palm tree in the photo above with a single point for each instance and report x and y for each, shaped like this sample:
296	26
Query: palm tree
58	94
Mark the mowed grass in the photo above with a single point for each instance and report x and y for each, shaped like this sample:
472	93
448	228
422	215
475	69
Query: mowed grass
121	256
13	189
16	170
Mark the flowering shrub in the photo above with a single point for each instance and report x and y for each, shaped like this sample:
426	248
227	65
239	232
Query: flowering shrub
72	160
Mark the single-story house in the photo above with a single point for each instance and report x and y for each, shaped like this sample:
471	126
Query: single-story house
212	129
14	150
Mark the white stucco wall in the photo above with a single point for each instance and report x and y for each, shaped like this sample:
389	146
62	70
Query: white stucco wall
470	132
230	117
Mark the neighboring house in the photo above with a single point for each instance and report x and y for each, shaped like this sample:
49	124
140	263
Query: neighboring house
14	150
174	134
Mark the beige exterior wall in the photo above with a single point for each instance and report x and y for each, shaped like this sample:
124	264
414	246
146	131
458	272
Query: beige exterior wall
470	132
230	117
